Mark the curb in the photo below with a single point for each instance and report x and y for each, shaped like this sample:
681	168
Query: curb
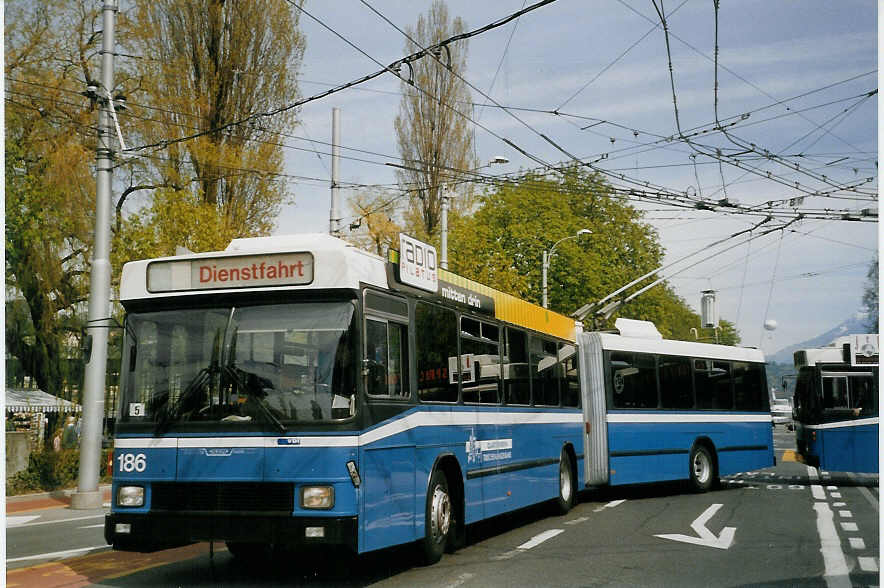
55	494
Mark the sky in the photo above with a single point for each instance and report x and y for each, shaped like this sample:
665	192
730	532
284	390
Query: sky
801	71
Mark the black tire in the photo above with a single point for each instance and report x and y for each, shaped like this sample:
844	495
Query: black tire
567	484
702	469
439	519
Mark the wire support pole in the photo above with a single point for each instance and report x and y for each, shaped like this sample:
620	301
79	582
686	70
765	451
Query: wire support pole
87	495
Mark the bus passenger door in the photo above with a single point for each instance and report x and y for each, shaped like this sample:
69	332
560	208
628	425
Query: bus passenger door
387	461
592	388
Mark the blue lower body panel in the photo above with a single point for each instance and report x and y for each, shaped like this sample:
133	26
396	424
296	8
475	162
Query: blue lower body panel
644	452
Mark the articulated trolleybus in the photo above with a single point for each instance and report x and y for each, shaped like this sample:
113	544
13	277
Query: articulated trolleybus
293	391
836	405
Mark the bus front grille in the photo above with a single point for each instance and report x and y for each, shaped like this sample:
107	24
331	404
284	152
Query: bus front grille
223	496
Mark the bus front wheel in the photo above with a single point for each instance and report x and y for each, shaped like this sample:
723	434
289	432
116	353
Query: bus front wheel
702	468
438	518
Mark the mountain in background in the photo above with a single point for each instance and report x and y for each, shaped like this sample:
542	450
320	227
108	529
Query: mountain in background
855	325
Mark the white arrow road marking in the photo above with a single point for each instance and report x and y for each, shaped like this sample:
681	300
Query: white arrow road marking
16	521
706	538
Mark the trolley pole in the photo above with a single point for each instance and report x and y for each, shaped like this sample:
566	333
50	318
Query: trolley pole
87	495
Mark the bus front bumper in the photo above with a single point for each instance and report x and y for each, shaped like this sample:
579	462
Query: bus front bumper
146	532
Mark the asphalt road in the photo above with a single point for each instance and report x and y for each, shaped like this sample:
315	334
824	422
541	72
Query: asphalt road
783	526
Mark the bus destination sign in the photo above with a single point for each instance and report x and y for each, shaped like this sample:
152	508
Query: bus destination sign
245	271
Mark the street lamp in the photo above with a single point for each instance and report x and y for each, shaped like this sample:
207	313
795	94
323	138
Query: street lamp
547	255
443	260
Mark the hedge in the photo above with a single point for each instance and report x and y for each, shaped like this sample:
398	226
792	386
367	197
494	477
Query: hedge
50	470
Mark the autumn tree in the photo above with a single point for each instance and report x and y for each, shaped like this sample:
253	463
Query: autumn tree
49	187
205	66
374	229
502	245
432	129
187	68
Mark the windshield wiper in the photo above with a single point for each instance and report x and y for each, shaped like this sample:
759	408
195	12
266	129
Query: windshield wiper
236	375
172	410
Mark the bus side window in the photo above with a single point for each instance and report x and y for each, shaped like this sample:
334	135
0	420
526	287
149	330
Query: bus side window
386	355
750	389
634	380
545	370
436	343
863	396
480	345
517	388
676	383
712	382
569	369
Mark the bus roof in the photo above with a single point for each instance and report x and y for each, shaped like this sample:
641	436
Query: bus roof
643	337
316	260
311	261
855	350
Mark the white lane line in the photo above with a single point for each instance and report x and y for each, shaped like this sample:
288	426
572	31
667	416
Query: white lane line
857	543
868	495
839	504
849	526
837	574
845	514
611	504
101	516
538	539
832	488
868	564
577	521
57	554
811	473
20	520
818	492
92	526
461	580
835	494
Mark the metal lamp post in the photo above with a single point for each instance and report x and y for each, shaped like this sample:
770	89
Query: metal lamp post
443	259
547	255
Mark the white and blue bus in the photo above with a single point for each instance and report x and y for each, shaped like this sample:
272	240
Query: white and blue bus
293	391
659	410
836	405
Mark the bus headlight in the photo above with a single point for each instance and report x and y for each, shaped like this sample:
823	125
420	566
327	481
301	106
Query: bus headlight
130	496
322	497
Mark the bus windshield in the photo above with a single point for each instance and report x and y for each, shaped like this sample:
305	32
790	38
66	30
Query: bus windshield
267	364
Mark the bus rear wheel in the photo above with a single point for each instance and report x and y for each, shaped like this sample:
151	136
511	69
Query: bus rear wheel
439	519
702	469
565	499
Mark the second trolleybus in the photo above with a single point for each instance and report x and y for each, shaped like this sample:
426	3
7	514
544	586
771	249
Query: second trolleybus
836	405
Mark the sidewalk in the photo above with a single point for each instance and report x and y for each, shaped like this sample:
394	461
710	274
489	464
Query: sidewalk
43	500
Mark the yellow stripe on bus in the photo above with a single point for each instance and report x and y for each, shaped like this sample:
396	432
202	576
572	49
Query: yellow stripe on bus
519	312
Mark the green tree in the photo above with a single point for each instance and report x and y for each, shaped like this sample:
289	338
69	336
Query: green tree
435	141
502	245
